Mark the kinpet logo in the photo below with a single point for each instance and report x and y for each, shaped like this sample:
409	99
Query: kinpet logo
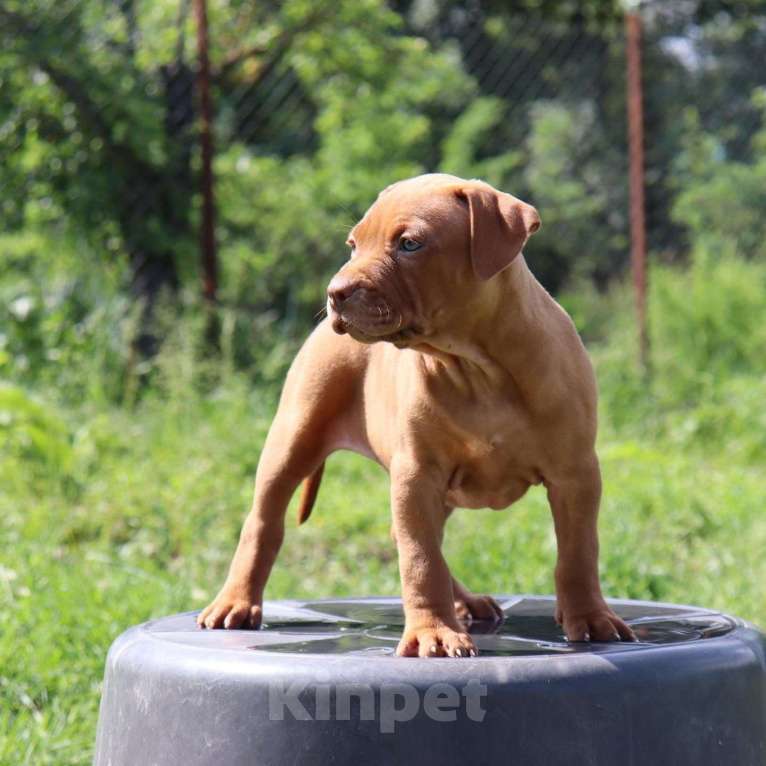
389	704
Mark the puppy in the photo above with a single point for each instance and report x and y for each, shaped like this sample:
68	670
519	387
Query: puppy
443	359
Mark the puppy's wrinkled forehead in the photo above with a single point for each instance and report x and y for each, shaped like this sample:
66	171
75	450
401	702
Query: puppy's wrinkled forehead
423	206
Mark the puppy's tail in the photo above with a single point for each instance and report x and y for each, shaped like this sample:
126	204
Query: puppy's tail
309	493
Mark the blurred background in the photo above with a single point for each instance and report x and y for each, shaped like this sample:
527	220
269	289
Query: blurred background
177	178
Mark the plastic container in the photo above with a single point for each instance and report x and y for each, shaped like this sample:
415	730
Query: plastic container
319	684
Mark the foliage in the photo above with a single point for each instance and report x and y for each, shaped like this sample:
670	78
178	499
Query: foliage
65	325
722	202
372	128
577	190
86	137
712	331
463	148
321	104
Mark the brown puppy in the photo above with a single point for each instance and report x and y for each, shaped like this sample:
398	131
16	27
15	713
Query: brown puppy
443	359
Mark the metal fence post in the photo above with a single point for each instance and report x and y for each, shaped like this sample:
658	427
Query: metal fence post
636	157
207	223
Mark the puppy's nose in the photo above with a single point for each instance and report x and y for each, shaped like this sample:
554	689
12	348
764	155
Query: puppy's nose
340	290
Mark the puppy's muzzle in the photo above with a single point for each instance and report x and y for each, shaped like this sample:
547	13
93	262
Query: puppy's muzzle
360	310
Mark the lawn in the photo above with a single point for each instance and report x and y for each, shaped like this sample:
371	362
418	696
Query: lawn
111	514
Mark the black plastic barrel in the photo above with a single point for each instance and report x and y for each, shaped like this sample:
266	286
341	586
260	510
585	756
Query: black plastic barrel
319	684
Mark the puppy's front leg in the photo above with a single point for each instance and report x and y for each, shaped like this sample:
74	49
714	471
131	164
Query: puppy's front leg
417	504
238	603
580	607
288	456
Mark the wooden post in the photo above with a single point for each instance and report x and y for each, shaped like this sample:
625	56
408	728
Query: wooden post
207	223
636	155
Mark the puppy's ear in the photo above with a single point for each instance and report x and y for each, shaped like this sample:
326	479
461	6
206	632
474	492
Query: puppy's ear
500	225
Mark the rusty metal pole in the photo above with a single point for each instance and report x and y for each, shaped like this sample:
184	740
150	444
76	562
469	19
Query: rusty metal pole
636	156
207	222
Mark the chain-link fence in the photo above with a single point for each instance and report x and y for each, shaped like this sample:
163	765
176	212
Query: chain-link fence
316	105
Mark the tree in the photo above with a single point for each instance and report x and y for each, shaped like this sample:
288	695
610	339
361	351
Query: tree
102	134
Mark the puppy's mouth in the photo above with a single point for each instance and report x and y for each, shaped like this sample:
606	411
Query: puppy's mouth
372	331
401	338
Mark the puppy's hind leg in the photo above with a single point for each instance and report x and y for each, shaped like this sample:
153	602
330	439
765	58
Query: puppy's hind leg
471	606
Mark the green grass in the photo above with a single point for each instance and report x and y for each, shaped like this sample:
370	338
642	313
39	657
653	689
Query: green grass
111	515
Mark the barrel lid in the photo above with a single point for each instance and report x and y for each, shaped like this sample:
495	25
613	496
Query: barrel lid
373	627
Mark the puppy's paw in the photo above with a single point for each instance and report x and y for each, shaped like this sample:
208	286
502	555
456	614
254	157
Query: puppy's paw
469	606
231	610
599	624
436	641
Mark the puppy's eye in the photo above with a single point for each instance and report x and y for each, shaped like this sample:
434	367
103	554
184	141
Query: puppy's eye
409	245
352	245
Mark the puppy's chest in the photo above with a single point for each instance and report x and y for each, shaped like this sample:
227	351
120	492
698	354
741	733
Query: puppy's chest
496	461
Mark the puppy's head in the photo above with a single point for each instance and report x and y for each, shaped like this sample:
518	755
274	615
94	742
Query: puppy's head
422	254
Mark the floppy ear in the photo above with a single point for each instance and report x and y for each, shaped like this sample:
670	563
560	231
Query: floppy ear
500	225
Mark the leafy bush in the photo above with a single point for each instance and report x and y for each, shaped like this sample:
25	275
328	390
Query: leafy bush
463	148
723	202
708	371
65	323
284	219
35	439
580	193
708	324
